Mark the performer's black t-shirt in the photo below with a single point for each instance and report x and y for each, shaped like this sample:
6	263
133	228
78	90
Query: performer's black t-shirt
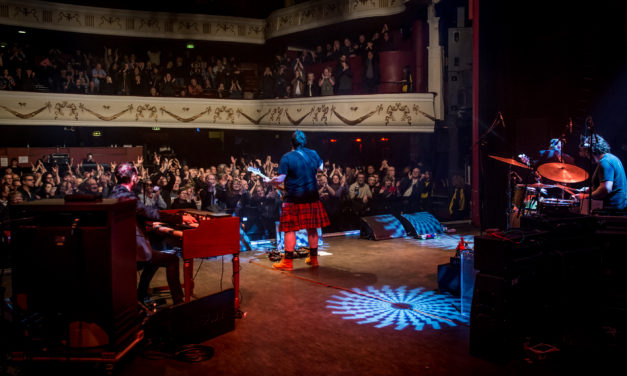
611	169
300	167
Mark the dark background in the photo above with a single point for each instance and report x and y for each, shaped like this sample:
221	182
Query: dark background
541	64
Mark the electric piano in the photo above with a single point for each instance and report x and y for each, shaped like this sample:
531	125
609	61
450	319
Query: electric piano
215	234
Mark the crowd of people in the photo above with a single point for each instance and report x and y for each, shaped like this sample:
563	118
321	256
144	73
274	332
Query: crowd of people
109	71
347	192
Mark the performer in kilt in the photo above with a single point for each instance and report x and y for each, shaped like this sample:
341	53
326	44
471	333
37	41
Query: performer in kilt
301	207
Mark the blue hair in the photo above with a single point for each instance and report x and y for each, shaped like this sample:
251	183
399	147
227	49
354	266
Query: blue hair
298	139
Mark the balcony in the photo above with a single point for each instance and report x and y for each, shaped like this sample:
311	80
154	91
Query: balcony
371	113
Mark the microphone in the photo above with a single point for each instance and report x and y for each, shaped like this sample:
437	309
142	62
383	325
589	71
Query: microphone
501	117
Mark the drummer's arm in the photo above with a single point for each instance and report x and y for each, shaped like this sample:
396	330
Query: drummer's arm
604	189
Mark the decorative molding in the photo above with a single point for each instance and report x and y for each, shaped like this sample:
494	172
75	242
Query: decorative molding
318	13
105	21
370	113
85	19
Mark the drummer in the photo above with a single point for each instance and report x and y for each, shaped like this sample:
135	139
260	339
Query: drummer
610	172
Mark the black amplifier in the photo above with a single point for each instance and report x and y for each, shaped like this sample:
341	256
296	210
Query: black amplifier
507	254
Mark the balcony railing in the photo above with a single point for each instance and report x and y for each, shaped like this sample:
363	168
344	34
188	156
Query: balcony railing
373	113
92	20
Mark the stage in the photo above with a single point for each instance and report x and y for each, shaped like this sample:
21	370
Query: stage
371	308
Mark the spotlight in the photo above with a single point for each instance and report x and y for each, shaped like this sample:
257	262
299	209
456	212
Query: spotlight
21	31
190	45
384	139
333	140
198	130
96	133
156	128
358	140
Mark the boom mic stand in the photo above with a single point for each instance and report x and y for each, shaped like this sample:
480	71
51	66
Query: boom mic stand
589	126
482	143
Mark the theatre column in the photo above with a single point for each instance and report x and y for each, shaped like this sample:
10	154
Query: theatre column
435	63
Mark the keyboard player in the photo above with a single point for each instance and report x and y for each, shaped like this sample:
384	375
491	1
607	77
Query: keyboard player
151	260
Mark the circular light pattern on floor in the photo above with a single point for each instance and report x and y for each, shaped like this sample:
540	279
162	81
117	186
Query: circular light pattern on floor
400	307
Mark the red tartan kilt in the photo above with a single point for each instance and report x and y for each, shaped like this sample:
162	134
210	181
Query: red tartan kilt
295	217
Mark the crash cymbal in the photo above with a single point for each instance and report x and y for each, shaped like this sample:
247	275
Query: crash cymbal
562	172
510	161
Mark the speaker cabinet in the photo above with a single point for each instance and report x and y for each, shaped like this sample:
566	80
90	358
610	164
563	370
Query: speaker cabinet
380	227
75	268
421	223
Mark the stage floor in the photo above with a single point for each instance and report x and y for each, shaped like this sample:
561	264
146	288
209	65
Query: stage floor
308	322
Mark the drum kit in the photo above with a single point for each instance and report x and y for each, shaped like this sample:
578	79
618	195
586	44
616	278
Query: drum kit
539	197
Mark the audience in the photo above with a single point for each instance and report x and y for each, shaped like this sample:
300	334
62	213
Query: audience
346	192
109	71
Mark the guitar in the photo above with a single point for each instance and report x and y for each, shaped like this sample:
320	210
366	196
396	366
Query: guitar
256	171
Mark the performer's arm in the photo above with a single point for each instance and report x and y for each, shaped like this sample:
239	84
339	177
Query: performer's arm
604	189
275	180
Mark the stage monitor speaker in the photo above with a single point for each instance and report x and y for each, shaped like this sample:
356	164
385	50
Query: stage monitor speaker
380	227
421	223
193	322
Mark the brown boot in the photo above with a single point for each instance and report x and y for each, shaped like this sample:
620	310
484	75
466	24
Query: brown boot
286	262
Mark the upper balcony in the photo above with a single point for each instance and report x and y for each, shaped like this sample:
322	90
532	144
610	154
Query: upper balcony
106	21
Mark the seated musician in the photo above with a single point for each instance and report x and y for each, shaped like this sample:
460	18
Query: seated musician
149	259
554	154
610	172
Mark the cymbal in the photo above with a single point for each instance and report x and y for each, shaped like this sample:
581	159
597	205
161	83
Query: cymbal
562	172
509	161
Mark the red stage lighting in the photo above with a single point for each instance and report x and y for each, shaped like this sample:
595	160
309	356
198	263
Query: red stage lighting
384	139
358	140
333	140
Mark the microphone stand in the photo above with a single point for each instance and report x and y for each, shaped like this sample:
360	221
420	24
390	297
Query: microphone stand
482	142
590	130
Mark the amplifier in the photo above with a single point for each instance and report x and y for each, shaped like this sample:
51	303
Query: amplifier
507	254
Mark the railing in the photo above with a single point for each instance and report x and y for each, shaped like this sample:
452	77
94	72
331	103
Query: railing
372	113
105	21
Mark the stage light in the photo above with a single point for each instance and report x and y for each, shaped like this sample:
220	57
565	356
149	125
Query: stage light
3	44
96	133
21	31
398	307
198	130
384	139
190	45
332	140
156	128
358	140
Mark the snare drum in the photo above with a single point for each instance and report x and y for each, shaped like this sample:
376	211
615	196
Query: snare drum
558	205
558	202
